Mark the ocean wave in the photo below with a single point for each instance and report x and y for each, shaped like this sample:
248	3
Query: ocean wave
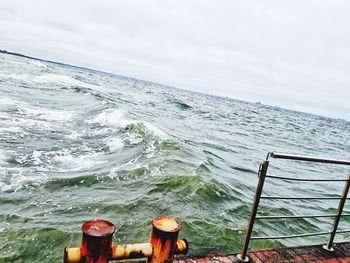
119	118
12	61
41	113
15	130
60	80
115	144
115	118
31	124
16	76
78	139
15	179
180	104
3	157
66	161
81	181
7	103
38	64
18	118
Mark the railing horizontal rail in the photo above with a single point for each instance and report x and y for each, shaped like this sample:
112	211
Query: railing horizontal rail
305	179
262	174
301	198
299	235
307	158
296	216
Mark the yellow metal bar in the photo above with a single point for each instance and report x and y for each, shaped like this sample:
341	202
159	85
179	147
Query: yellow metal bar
132	251
181	247
72	255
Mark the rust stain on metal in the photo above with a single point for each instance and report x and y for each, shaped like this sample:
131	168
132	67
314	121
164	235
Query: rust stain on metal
98	228
164	239
166	224
97	241
96	245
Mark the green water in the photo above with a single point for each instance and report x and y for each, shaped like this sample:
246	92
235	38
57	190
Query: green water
77	144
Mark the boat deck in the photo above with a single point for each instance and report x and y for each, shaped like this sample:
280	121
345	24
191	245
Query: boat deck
341	254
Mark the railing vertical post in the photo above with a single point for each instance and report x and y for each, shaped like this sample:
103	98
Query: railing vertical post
262	175
338	216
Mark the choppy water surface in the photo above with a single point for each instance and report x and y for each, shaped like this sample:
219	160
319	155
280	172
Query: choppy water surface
76	144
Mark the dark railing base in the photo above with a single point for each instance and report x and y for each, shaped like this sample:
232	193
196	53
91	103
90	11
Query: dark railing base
241	259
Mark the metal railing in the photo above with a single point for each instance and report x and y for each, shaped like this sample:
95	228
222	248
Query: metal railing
262	175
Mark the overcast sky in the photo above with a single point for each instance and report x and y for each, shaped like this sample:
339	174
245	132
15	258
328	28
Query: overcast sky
293	54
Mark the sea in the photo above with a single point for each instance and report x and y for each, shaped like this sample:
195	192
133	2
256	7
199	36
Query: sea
78	144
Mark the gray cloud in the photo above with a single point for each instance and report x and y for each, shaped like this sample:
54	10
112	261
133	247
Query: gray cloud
293	54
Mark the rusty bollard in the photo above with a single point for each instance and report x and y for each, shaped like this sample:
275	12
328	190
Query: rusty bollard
164	239
96	245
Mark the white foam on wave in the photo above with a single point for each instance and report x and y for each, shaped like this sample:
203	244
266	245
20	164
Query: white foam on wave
155	130
71	162
118	118
48	114
2	157
62	80
15	76
114	118
16	116
7	102
25	123
115	144
134	139
131	164
73	135
33	118
14	179
38	63
36	157
12	61
54	78
10	130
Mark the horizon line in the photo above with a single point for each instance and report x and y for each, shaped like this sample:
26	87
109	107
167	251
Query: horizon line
3	51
